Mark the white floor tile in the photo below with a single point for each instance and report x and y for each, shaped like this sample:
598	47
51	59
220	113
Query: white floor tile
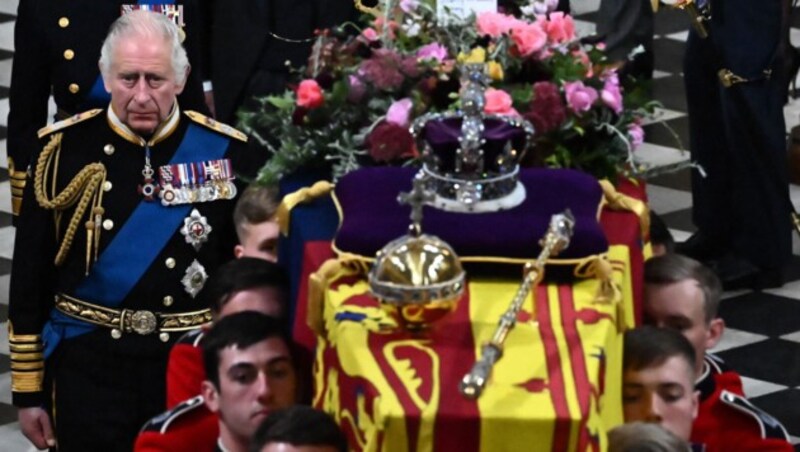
6	234
5	72
5	197
584	6
794	337
680	236
664	200
5	388
681	36
660	74
9	6
790	290
584	28
757	388
7	35
4	338
662	114
13	440
4	280
3	154
4	112
733	338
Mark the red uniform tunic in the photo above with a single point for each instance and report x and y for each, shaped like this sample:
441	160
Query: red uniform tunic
188	427
727	421
185	371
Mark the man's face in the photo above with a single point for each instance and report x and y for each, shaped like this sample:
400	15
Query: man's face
662	394
266	300
252	383
142	82
259	240
680	306
286	447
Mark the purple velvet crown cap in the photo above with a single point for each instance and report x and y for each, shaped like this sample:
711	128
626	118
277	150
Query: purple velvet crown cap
442	135
372	217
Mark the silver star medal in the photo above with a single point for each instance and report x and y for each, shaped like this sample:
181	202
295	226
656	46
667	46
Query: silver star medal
196	229
194	279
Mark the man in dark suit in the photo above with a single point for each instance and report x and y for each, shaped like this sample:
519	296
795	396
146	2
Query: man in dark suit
735	88
279	35
57	44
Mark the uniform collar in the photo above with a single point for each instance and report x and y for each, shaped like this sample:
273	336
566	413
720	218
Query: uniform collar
162	132
705	382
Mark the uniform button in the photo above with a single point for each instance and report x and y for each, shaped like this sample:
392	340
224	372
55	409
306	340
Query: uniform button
108	224
63	22
164	337
108	149
170	262
107	185
116	334
69	54
168	300
74	88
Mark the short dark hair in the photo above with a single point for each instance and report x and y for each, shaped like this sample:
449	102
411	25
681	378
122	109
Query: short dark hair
648	346
257	204
659	233
243	274
299	426
242	330
675	268
644	437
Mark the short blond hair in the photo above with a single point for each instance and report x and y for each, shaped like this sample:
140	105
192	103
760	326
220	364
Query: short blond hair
257	204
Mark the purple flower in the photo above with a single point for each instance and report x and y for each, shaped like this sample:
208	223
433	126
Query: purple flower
579	96
409	6
433	50
611	94
357	89
400	112
636	134
386	69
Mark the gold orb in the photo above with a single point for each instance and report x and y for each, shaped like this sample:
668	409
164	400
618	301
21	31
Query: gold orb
418	280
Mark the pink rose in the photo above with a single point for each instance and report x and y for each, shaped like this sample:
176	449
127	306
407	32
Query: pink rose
528	38
400	112
636	134
433	50
309	94
579	97
494	24
370	34
611	94
560	27
498	102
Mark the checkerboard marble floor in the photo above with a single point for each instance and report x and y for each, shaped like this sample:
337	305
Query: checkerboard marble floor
763	336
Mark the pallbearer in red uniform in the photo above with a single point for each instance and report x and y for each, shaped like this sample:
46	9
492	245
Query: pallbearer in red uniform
684	295
127	211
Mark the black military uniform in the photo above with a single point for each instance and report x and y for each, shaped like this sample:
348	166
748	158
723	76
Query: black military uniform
57	46
106	334
735	88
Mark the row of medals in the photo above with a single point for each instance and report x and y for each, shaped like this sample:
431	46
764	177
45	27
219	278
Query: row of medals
210	191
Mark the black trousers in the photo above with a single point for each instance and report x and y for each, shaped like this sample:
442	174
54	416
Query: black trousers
737	134
104	389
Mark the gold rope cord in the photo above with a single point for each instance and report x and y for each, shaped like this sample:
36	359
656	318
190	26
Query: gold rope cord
375	11
84	189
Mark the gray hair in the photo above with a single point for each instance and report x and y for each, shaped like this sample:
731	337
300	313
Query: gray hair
642	437
145	23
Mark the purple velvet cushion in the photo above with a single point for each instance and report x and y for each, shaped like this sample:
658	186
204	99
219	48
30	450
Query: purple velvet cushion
372	217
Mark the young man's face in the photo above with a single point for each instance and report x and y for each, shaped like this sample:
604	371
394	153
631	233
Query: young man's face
266	300
662	394
259	240
142	82
680	306
253	382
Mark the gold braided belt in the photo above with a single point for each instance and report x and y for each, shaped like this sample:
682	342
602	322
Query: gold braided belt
131	321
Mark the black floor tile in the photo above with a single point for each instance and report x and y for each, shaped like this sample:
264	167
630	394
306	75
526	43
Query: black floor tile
679	180
3	132
670	91
669	21
3	316
673	133
762	313
669	55
5	363
680	220
5	266
6	17
784	406
773	360
8	414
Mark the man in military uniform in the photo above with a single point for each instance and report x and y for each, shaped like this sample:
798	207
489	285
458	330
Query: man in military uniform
57	44
735	89
683	295
125	212
250	373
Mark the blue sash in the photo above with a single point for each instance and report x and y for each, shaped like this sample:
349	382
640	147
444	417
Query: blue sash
125	260
98	97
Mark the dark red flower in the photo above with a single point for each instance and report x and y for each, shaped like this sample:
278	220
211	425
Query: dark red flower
389	142
547	111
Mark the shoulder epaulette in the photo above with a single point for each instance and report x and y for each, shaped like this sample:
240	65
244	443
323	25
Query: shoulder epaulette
770	427
161	423
72	120
192	338
215	125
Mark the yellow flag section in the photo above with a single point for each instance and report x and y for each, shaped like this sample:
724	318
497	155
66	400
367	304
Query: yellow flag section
556	388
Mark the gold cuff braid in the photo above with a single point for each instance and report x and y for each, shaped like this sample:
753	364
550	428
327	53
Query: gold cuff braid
27	361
